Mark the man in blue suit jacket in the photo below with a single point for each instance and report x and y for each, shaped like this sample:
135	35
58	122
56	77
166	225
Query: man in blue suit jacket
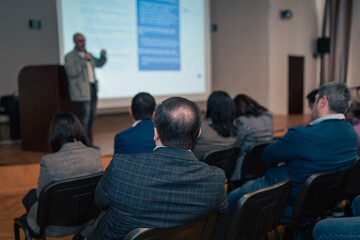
327	144
140	137
165	188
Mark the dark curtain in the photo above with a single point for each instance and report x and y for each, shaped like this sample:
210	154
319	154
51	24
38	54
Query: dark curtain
336	26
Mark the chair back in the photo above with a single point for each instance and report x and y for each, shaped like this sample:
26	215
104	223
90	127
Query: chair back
253	166
352	179
224	159
258	212
198	230
318	194
68	202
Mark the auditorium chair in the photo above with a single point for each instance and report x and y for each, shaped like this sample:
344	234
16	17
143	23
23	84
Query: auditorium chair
198	230
352	179
351	186
253	166
255	214
317	196
224	158
64	203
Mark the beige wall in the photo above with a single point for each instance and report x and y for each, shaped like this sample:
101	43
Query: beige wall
251	48
240	46
21	46
353	77
294	37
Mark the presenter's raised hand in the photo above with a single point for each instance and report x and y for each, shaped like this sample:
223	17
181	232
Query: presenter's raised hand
103	53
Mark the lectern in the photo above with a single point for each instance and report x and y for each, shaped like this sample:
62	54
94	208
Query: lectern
43	92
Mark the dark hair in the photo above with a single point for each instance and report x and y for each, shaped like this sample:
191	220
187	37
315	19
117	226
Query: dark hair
178	122
338	96
221	110
75	34
311	97
143	106
245	105
354	109
64	128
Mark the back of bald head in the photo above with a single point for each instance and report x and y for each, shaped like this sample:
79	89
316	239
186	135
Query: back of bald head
178	122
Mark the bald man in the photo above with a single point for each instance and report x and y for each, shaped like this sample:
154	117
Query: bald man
165	188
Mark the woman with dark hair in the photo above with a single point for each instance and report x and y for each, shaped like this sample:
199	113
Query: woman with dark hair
255	124
70	157
217	129
353	114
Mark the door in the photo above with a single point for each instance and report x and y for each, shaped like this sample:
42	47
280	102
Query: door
296	85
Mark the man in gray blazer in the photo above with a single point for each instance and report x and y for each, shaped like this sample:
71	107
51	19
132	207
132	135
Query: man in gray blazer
79	67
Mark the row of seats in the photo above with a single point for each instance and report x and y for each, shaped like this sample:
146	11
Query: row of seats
71	203
318	195
252	167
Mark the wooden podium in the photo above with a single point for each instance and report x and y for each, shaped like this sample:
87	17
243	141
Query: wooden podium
43	92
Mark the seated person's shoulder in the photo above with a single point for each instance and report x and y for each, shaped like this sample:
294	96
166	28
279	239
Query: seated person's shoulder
212	171
124	133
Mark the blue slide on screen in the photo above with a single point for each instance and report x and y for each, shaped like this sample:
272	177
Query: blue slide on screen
158	35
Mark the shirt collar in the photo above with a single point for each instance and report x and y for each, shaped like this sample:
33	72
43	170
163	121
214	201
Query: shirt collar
166	147
136	123
327	117
159	147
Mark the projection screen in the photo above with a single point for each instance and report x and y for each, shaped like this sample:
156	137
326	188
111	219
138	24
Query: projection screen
157	46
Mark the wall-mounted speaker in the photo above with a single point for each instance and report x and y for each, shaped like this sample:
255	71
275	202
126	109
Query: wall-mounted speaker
34	24
286	14
323	45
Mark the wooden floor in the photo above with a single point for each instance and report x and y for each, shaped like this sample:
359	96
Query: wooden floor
19	170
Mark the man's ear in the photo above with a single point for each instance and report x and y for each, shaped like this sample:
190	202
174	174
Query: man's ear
130	111
156	135
199	134
153	115
323	101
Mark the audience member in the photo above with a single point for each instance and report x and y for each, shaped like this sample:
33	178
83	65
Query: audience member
355	92
327	144
139	138
218	129
311	97
353	114
340	228
71	157
164	188
255	124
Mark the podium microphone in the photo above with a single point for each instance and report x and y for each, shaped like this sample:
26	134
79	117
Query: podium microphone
87	53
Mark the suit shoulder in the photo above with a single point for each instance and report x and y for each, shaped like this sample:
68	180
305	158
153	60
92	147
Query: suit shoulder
125	132
46	158
123	160
92	151
214	171
121	156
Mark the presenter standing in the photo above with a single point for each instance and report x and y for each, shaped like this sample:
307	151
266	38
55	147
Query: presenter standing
79	67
